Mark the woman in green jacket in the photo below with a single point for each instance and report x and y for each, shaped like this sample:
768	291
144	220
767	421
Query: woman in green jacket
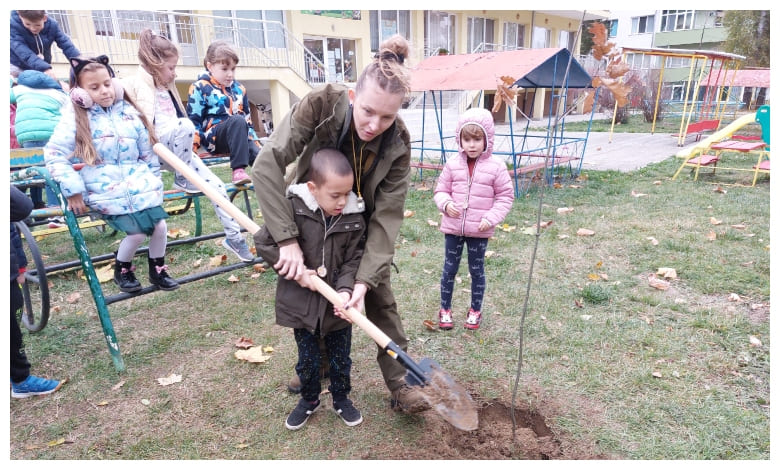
364	124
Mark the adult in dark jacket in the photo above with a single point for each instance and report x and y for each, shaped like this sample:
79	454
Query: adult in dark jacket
23	384
363	123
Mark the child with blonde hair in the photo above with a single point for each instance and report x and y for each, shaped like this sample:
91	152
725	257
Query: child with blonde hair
120	178
219	107
153	89
474	193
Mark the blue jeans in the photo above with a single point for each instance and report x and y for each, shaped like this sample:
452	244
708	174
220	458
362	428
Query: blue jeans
36	194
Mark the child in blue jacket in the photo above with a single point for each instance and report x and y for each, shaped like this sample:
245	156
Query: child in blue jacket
219	107
32	34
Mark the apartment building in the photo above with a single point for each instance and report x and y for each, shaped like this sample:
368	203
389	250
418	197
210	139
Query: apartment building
283	54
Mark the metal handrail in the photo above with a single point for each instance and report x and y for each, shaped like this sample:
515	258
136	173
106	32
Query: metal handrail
116	36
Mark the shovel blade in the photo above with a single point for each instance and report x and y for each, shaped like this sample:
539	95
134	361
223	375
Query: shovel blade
450	400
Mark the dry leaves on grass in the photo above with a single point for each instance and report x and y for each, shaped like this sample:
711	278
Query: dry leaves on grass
653	241
564	210
244	343
667	273
408	213
171	379
218	260
715	221
178	233
73	298
254	354
433	223
585	232
659	284
636	194
711	235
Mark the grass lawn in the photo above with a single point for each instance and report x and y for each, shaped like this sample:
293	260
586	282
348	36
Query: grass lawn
612	367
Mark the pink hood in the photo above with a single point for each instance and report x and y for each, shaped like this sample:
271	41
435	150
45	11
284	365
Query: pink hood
487	194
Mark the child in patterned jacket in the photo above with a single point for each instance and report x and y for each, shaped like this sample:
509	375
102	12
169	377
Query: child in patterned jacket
219	107
120	178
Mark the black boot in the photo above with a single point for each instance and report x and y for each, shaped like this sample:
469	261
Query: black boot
124	277
158	275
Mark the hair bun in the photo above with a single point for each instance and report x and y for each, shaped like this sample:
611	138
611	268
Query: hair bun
389	55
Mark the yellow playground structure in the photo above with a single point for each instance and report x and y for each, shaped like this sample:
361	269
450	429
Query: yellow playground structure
725	143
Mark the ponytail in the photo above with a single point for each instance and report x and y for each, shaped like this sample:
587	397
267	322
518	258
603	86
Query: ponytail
387	69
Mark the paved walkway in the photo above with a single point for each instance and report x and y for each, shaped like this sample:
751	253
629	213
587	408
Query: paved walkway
618	151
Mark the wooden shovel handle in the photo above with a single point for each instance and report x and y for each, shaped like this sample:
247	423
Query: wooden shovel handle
178	165
322	287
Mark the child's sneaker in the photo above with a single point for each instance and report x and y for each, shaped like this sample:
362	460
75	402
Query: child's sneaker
240	176
181	183
473	320
348	413
445	319
238	248
33	385
56	222
301	414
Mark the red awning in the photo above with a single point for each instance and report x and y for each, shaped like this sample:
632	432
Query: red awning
747	78
530	67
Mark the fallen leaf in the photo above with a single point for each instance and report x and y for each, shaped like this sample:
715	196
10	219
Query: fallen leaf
659	284
73	298
215	261
423	188
734	297
102	403
575	186
562	236
178	233
739	226
604	276
529	230
657	182
657	374
258	268
584	232
636	194
593	277
754	341
715	221
268	349
171	379
578	303
599	264
255	275
653	241
56	442
545	224
408	213
251	355
557	186
243	445
718	189
433	223
507	227
145	401
429	325
712	236
197	263
233	278
244	343
586	317
105	273
413	253
118	385
564	210
668	273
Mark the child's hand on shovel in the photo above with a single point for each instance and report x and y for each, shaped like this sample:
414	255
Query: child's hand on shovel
340	310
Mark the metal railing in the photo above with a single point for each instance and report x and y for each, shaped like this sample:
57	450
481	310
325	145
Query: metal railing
258	43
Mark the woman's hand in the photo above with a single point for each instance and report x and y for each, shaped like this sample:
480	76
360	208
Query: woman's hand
290	264
76	204
358	297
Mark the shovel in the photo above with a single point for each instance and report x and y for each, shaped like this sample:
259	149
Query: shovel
440	390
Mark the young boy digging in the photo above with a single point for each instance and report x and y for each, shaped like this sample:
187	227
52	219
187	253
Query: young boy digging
331	227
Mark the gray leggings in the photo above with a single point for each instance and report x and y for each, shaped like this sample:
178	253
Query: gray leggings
179	141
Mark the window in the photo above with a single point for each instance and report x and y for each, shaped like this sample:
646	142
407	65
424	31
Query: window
613	28
540	38
642	24
480	34
245	29
60	17
514	36
676	20
566	39
640	61
439	31
128	24
385	23
677	62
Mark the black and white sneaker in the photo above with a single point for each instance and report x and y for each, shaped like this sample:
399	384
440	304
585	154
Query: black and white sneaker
348	413
301	414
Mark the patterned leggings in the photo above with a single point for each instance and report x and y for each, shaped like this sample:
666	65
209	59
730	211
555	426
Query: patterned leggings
179	141
453	250
338	345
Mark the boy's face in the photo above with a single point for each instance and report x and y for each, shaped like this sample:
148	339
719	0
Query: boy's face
34	27
223	72
332	195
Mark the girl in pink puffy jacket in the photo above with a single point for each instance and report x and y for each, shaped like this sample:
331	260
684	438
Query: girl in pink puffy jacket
475	193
